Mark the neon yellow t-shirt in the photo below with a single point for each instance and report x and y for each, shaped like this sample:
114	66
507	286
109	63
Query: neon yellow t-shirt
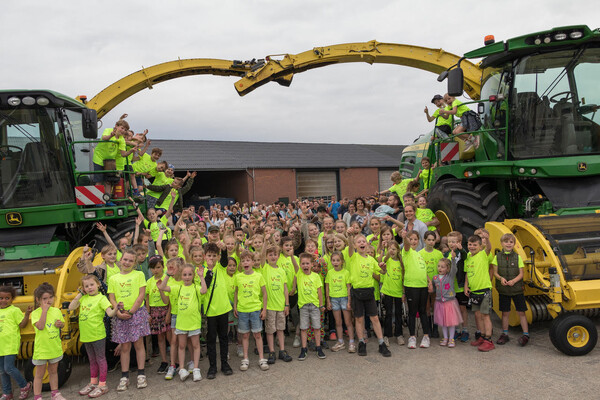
431	261
154	299
441	120
460	108
126	287
392	280
495	260
160	180
10	318
290	271
415	270
374	242
425	215
111	270
308	288
338	282
477	268
275	279
172	283
145	165
47	344
424	178
108	149
167	201
249	289
229	281
220	303
91	317
156	226
188	307
362	270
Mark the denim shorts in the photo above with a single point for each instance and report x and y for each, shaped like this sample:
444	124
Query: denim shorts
249	321
339	303
43	362
195	332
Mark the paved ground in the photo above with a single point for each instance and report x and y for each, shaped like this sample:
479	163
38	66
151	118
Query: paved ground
536	371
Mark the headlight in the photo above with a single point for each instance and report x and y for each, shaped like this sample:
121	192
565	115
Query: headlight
576	35
560	36
28	100
14	101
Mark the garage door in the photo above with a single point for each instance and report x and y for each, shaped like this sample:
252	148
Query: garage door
316	184
384	179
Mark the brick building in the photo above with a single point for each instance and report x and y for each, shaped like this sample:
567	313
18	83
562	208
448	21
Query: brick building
267	171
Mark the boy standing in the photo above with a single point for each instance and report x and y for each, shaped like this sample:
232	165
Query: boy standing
459	255
508	270
478	287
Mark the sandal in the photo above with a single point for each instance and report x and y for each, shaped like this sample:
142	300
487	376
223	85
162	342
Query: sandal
98	391
24	392
451	343
244	365
444	342
264	364
87	389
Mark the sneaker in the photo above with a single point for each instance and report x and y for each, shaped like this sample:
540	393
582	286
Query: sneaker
24	392
386	341
170	372
283	355
244	364
320	353
503	339
444	342
6	397
477	335
425	342
87	389
263	364
190	367
302	355
400	341
351	347
362	349
183	374
123	384
142	382
212	372
98	391
332	336
162	369
58	396
297	342
240	351
412	342
487	345
338	346
464	336
197	376
383	349
272	358
226	369
477	342
451	343
523	340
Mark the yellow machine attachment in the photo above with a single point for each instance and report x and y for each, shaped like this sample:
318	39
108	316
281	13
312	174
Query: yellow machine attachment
562	275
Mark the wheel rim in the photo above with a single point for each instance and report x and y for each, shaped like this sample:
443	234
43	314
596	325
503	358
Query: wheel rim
445	226
578	336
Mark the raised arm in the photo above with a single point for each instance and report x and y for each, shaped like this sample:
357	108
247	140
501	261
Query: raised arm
102	228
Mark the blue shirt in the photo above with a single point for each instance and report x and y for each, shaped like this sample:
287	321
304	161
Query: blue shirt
334	209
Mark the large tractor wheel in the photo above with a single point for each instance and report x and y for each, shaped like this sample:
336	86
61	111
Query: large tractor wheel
115	231
464	206
64	372
573	334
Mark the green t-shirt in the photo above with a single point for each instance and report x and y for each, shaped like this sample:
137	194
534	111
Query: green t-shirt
373	242
188	307
145	165
126	288
48	344
112	270
160	180
477	268
415	270
424	178
108	149
155	227
275	279
287	264
249	289
441	120
154	299
10	318
362	270
425	215
308	288
91	317
173	284
220	303
338	282
400	188
229	281
392	279
460	108
431	261
167	201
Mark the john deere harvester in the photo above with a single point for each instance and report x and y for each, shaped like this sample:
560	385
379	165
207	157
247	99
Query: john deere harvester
534	171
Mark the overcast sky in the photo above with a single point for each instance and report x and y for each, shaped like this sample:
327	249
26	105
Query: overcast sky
81	47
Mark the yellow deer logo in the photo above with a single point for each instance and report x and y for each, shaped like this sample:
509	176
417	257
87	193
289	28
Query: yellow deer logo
14	218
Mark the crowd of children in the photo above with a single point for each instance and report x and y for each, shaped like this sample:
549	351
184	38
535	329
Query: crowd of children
314	270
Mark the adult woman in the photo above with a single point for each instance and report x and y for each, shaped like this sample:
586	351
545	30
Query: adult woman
413	224
348	214
361	215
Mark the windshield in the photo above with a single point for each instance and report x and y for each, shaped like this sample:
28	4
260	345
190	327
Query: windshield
554	104
33	165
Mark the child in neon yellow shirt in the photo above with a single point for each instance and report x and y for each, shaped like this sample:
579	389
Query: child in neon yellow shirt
158	310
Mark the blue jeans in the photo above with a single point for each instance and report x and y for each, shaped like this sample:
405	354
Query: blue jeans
8	370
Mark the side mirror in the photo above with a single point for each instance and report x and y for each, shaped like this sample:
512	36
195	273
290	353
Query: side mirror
455	82
89	123
442	76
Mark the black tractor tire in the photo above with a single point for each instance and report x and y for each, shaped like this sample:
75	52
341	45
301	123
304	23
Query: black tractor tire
563	329
65	367
115	231
467	205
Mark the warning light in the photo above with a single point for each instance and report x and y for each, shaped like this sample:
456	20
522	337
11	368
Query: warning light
489	39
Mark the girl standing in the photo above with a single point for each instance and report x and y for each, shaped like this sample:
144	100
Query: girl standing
92	306
158	310
337	289
392	290
446	312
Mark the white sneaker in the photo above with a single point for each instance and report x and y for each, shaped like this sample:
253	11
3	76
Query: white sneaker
263	364
296	343
425	342
412	342
190	367
170	373
244	364
400	340
386	341
197	375
240	351
183	374
123	384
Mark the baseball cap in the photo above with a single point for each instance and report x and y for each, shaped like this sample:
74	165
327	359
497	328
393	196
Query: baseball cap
436	97
213	228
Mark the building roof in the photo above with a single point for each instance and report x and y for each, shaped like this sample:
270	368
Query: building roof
206	155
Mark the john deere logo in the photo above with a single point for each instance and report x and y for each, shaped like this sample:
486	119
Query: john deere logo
582	167
14	218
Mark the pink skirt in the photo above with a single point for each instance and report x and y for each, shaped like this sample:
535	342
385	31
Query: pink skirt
447	313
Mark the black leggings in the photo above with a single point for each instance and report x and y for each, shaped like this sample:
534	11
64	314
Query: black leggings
217	325
393	310
417	303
